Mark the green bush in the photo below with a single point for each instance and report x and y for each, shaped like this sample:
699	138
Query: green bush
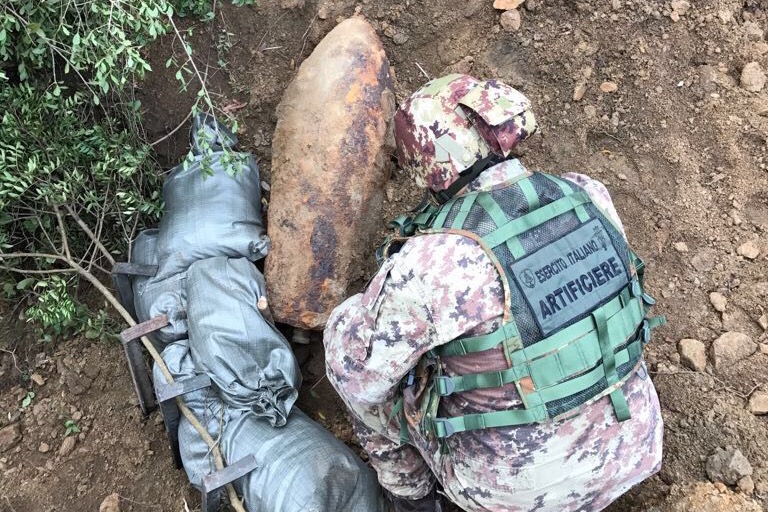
54	150
201	8
70	142
71	154
97	40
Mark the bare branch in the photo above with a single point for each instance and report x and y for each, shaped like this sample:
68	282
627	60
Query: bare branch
131	235
25	271
178	127
90	234
63	233
12	255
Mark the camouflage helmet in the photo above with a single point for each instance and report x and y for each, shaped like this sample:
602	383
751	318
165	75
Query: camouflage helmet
455	121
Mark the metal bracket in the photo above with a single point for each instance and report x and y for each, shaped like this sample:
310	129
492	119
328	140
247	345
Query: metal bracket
142	383
212	483
166	394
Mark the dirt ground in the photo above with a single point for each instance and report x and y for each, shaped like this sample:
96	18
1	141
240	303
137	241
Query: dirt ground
681	144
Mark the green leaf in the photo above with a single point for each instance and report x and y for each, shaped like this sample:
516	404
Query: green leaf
25	283
27	399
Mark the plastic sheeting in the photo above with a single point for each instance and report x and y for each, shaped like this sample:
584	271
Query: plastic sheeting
212	204
153	296
209	235
251	363
301	467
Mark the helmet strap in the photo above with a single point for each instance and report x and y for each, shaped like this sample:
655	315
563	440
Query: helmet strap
466	177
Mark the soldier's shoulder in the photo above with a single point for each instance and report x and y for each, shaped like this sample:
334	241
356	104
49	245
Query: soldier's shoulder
435	254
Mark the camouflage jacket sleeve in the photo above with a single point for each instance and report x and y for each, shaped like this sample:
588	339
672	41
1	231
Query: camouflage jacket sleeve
417	301
599	195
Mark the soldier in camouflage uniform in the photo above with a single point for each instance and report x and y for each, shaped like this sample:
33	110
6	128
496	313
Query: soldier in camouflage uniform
391	350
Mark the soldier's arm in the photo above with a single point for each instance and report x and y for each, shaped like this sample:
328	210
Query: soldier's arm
436	288
400	468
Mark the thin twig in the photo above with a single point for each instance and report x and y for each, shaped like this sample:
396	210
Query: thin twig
611	136
304	39
318	382
426	75
178	127
25	271
62	232
131	236
90	234
153	505
13	356
8	501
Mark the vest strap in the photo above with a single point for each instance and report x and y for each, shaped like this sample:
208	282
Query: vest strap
489	204
577	356
445	427
529	221
567	189
464	209
530	194
464	346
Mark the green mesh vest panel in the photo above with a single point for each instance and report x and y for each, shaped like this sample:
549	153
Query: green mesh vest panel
578	311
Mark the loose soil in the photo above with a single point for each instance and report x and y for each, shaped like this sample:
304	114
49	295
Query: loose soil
680	144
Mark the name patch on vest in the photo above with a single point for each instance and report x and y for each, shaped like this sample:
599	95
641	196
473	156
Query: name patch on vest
570	276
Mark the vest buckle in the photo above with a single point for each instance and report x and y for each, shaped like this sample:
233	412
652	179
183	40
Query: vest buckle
445	386
443	428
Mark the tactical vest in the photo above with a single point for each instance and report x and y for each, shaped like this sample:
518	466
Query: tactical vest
575	319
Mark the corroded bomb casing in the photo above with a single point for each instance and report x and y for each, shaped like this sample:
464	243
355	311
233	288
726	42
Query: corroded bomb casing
330	160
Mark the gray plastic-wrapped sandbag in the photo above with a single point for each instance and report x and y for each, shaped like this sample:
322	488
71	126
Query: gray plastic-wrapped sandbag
212	203
153	296
250	361
301	467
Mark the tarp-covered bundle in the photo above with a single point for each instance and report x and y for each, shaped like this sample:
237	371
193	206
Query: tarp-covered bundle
210	290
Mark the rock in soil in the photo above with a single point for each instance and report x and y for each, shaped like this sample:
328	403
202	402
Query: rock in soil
400	38
9	437
292	4
609	87
680	6
753	31
758	403
746	485
510	20
731	348
749	250
44	448
110	504
505	5
67	446
728	465
579	91
705	260
763	321
752	77
693	354
37	379
681	247
719	302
